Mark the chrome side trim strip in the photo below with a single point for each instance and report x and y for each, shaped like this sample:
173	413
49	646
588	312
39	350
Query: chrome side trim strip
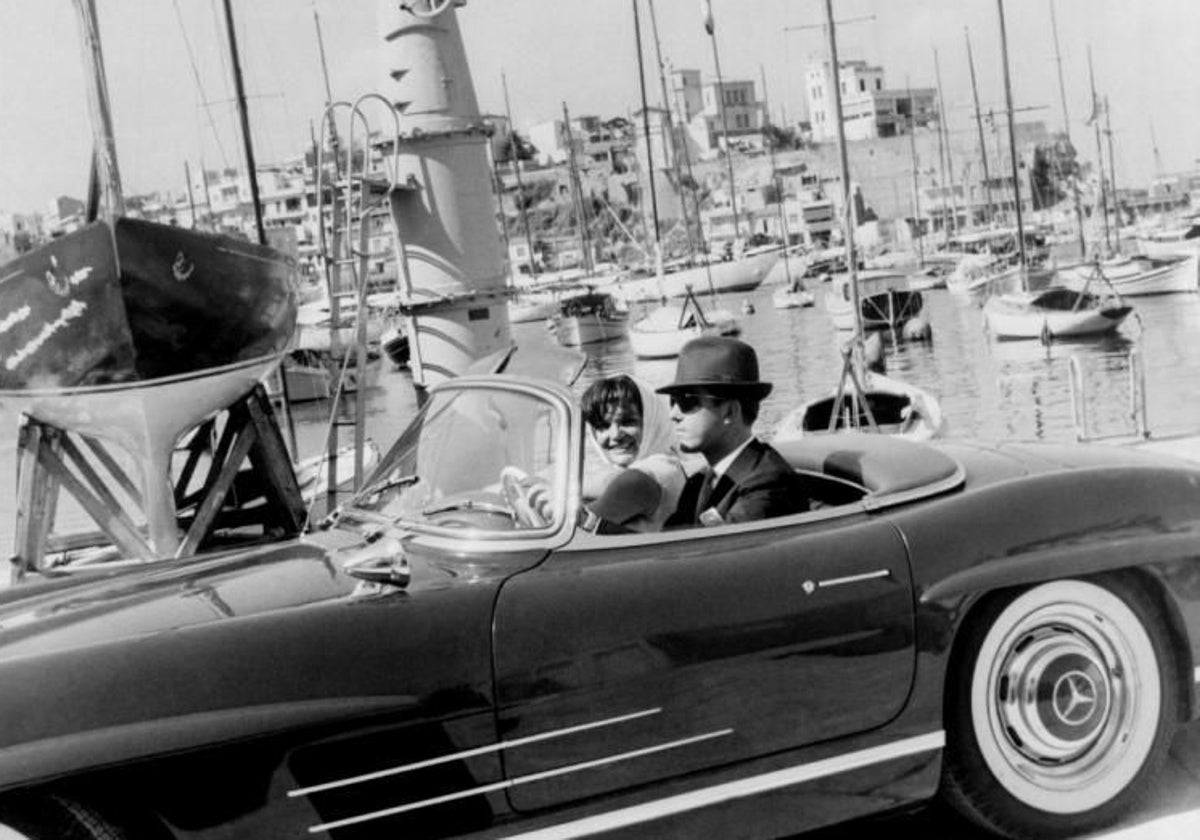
443	759
880	573
1196	675
694	800
520	780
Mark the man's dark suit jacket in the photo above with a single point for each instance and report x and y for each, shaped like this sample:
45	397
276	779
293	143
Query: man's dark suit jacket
759	484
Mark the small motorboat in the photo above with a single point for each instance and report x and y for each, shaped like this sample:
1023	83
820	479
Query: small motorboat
867	400
789	297
662	333
884	300
589	318
1055	312
1137	275
394	343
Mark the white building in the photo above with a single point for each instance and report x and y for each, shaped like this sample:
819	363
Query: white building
869	109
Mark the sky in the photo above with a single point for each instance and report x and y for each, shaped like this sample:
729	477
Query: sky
173	96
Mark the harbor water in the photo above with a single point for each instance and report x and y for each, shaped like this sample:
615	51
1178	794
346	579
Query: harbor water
989	389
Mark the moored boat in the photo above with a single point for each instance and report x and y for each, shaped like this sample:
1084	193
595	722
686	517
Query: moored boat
884	300
789	297
1055	312
1137	275
394	343
589	318
1180	239
895	407
662	333
737	275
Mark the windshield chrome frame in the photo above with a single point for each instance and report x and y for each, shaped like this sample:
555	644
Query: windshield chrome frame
567	460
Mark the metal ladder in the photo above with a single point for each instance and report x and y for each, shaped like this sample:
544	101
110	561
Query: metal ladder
1136	406
357	194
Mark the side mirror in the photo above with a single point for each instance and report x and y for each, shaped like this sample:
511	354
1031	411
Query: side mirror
381	561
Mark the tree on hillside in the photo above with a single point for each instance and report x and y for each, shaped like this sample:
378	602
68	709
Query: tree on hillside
514	144
1055	164
780	137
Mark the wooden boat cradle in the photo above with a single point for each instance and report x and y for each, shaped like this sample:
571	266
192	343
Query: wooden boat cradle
51	459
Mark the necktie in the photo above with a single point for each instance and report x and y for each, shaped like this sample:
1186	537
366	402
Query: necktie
706	490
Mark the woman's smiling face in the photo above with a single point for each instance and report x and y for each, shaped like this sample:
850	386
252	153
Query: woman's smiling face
620	435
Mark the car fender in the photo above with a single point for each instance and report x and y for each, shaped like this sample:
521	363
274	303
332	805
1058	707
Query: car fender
1071	523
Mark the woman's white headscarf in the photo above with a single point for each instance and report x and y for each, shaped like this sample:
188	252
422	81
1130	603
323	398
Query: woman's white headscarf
658	432
657	456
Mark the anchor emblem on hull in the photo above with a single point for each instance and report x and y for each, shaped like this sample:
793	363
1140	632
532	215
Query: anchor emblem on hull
182	268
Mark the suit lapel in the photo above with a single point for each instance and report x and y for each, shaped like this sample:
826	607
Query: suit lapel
743	465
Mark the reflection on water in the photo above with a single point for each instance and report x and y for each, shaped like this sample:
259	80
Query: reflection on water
988	389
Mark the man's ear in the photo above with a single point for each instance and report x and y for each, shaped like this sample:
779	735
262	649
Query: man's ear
731	410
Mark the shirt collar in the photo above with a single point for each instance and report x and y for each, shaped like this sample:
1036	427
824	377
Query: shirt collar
721	467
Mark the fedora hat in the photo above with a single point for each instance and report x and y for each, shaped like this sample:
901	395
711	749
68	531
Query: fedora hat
720	365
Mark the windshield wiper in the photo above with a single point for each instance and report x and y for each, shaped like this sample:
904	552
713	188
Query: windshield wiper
336	514
398	481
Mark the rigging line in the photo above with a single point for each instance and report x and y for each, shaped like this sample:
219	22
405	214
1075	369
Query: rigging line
224	61
199	84
273	152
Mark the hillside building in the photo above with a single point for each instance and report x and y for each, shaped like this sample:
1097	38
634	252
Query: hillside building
869	109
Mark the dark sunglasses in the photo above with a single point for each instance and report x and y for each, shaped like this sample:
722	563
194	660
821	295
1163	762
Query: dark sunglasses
688	401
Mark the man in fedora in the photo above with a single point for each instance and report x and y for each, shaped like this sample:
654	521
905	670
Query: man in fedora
714	403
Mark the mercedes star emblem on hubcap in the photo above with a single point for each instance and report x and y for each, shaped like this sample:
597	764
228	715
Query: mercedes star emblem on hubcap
1075	697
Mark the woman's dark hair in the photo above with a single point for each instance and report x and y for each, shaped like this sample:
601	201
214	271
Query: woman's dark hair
604	396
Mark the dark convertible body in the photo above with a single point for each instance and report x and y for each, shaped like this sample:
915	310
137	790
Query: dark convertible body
1014	628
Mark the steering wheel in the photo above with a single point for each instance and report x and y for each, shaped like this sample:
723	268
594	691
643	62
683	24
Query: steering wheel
517	488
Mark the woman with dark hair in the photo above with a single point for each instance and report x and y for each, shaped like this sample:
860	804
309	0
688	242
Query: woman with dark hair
632	472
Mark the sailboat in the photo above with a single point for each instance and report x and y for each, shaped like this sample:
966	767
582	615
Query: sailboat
1056	311
863	400
662	333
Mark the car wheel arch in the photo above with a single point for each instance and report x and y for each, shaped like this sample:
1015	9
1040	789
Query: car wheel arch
971	608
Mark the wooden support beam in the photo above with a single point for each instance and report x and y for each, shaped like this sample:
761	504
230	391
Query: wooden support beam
114	522
220	480
50	459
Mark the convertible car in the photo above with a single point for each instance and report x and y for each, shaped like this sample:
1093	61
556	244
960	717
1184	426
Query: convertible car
1013	630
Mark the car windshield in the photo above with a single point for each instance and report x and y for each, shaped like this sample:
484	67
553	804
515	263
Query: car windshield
448	468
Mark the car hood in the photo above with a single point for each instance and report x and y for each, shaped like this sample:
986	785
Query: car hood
305	573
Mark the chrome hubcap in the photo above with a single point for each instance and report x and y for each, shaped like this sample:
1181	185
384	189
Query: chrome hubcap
1058	696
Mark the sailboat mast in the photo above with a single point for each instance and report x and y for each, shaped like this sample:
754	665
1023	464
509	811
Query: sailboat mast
1099	150
516	162
916	187
1012	135
333	137
847	206
944	139
778	183
669	127
581	222
1062	92
1158	167
1112	177
987	178
720	102
243	114
105	172
637	34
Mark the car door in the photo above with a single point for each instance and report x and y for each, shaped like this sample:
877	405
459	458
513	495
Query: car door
624	660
